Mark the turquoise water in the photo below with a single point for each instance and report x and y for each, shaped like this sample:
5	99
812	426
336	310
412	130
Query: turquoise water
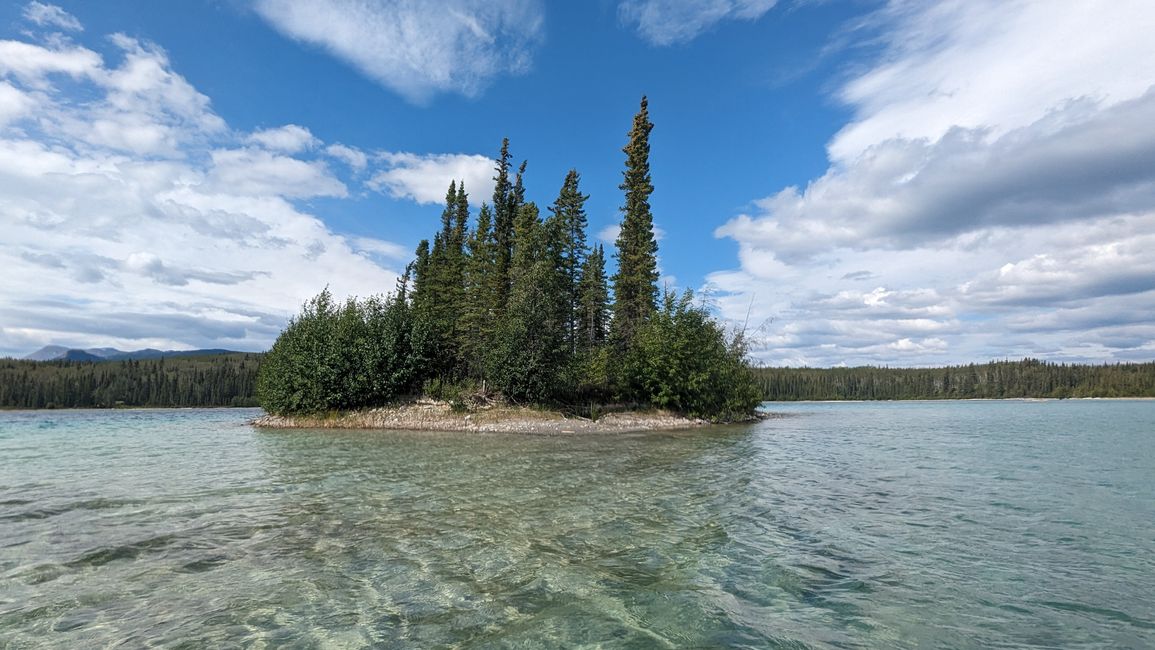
880	525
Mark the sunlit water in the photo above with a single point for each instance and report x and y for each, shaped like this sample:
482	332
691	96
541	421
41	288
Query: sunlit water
883	525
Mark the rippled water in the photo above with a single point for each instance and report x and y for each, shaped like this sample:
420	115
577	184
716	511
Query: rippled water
887	525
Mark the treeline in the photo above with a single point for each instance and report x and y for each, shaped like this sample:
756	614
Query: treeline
516	304
994	380
209	380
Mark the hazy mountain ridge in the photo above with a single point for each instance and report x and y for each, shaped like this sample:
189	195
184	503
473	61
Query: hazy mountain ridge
61	353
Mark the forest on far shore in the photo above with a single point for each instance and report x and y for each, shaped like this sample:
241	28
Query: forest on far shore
230	380
194	381
1028	378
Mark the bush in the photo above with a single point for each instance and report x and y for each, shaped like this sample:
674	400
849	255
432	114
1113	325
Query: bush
682	360
337	357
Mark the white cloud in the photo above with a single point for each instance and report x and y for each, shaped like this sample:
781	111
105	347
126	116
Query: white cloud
351	156
905	192
999	171
425	178
290	138
47	15
994	65
255	172
133	216
30	63
417	49
14	103
668	22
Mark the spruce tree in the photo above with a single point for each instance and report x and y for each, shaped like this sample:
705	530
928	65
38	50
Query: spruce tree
593	301
479	314
636	281
442	295
454	305
420	273
529	352
569	210
503	217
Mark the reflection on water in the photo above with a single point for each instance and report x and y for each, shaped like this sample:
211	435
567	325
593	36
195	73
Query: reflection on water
848	525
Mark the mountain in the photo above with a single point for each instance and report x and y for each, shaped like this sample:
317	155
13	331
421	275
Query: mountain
61	353
79	355
47	353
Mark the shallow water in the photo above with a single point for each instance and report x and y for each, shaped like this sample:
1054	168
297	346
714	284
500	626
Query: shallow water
887	525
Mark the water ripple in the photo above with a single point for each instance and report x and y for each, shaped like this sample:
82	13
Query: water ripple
845	526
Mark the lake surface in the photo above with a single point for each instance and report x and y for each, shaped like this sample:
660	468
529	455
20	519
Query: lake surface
844	525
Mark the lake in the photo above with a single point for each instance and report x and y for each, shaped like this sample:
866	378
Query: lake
837	525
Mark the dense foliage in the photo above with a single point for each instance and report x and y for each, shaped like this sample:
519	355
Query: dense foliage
208	380
997	379
348	356
518	305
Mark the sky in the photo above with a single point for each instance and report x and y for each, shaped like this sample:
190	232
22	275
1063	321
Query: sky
882	182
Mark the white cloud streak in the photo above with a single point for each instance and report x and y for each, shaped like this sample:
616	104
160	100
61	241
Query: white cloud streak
46	15
671	22
417	49
424	178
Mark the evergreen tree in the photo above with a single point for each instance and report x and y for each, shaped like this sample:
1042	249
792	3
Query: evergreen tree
420	273
481	293
569	210
593	301
503	217
636	281
460	217
527	242
443	297
529	352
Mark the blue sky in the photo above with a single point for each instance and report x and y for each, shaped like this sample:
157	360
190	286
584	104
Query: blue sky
884	182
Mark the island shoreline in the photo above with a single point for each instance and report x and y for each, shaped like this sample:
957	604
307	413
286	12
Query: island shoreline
431	415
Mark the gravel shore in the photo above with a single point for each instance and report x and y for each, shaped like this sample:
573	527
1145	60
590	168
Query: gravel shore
427	415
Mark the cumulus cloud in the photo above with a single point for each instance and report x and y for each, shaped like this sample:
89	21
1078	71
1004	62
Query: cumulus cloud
997	172
259	173
290	138
417	49
424	178
351	156
29	62
133	216
669	22
47	15
905	192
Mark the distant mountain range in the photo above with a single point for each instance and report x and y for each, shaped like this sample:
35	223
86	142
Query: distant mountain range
61	353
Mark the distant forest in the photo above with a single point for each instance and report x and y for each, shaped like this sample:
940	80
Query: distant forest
230	380
994	380
210	380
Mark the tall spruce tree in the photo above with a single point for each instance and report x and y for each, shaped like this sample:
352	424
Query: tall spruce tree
420	274
455	262
503	217
442	294
636	281
569	210
481	291
529	352
593	301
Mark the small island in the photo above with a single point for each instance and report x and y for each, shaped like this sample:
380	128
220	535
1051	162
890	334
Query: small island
506	323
